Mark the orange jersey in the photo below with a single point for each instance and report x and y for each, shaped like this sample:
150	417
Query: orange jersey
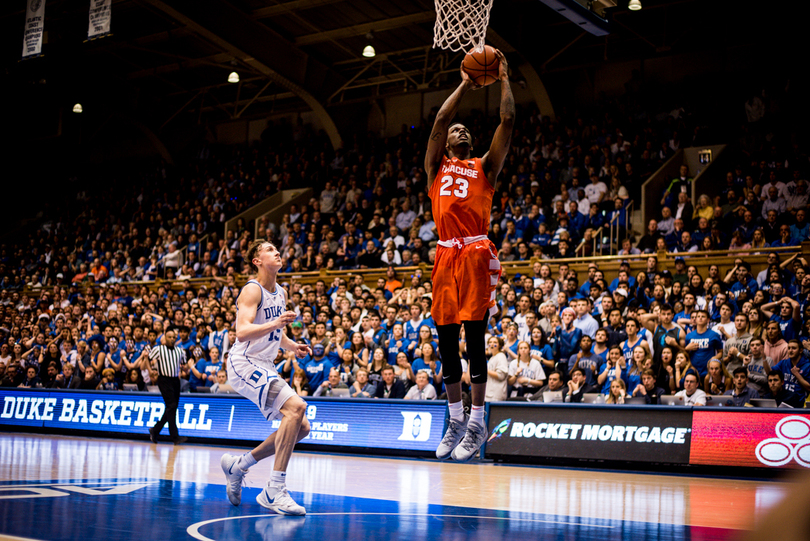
461	199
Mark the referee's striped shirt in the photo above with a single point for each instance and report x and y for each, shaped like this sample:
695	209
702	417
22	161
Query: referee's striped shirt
169	359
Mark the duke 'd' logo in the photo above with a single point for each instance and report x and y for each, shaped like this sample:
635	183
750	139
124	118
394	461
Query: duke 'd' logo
415	426
792	442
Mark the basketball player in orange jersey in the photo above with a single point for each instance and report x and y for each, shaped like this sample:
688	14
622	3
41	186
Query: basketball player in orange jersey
467	268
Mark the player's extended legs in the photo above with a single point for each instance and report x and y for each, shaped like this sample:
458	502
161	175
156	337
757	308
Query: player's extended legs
451	374
294	427
275	496
476	426
477	355
267	448
451	363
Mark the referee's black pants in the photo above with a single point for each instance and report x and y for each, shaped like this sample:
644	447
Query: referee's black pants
170	389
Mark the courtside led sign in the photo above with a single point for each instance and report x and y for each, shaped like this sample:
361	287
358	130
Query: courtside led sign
755	439
589	432
373	424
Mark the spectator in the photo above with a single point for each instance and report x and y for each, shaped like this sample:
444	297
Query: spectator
777	392
758	365
90	381
389	387
526	375
741	393
422	390
221	382
683	367
362	387
702	343
718	380
691	395
596	190
555	385
578	386
133	377
332	382
429	362
317	365
617	392
775	346
795	370
31	379
107	382
648	389
497	371
611	370
774	201
300	384
404	371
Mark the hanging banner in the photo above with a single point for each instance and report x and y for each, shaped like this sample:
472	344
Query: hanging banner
34	26
100	14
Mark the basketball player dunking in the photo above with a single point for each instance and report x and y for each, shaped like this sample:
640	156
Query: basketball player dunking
260	320
467	269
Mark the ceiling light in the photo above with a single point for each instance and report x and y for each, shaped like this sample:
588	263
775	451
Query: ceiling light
368	50
77	108
234	77
634	5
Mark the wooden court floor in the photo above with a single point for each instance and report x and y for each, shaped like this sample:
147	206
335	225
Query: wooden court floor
76	488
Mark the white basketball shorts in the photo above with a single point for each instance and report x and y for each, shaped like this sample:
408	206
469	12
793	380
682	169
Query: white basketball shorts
260	384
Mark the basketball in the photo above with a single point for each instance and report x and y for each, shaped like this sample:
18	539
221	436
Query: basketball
482	67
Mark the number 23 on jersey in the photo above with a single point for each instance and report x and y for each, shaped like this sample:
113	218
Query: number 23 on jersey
454	186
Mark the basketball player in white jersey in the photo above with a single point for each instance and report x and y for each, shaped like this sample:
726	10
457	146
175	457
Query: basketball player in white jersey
261	317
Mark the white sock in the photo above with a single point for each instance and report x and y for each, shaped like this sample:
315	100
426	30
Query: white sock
456	411
246	461
477	415
278	479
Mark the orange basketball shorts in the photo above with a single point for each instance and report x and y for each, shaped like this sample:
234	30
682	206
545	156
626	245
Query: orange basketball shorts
464	280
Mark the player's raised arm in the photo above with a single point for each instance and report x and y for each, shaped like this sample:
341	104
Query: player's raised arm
494	159
438	136
248	303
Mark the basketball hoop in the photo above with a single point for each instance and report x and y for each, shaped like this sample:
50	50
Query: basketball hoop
461	24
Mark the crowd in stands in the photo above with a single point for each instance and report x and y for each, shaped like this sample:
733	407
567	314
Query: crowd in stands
648	335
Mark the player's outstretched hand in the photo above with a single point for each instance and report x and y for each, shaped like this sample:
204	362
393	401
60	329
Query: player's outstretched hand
302	350
465	77
503	68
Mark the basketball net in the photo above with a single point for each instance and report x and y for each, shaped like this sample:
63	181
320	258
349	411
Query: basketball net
461	24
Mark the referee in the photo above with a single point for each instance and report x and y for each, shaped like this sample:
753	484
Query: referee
168	359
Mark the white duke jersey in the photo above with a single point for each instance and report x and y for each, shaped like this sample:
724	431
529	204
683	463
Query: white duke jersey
263	348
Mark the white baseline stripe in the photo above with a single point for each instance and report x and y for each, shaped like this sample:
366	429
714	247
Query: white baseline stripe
68	484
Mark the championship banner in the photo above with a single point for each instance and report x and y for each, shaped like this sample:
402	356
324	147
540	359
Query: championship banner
34	27
100	14
751	440
521	432
365	424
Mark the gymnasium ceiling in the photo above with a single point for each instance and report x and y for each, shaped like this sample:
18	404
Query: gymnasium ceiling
168	60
